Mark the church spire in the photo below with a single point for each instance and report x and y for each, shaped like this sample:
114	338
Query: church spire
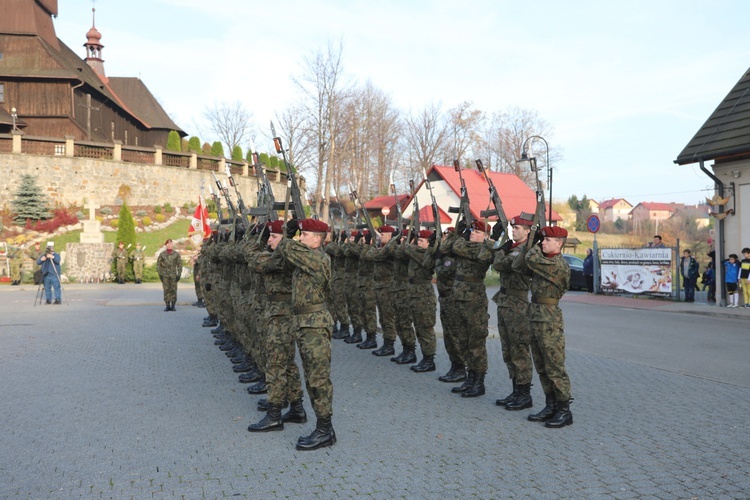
94	49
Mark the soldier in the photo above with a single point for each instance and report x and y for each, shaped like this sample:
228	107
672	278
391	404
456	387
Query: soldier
512	313
401	301
138	258
422	298
365	285
169	267
445	271
15	255
382	257
313	323
34	253
351	284
550	280
120	256
473	256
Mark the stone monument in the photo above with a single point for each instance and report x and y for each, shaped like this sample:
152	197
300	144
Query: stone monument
90	260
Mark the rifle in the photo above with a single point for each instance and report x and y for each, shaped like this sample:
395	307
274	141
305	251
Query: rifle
217	202
538	221
463	210
265	210
435	210
499	212
400	220
414	221
223	190
368	221
240	203
297	206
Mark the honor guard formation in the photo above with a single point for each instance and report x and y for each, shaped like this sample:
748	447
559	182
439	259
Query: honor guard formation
274	287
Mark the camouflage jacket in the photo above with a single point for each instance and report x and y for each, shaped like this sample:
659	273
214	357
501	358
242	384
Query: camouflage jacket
445	270
510	279
472	261
421	262
276	273
382	261
169	264
550	279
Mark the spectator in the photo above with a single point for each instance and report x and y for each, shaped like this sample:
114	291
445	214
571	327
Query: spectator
50	266
657	243
588	270
744	277
689	270
731	276
709	282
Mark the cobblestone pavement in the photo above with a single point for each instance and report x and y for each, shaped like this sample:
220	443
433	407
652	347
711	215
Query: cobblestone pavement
107	396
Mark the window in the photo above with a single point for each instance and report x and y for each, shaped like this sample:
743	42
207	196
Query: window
2	92
113	131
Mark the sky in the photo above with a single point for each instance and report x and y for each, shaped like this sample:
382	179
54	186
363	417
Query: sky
624	85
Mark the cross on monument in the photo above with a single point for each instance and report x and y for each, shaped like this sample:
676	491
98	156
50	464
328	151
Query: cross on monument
91	207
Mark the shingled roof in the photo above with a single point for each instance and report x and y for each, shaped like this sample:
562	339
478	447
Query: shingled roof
142	102
726	133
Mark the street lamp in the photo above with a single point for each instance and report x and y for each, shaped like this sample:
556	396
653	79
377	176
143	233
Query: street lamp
13	115
530	162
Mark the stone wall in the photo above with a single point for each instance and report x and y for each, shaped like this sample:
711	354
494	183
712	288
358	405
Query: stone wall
67	180
88	262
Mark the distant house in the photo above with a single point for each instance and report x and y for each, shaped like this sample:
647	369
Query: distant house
376	206
652	212
725	140
594	206
516	196
698	214
616	208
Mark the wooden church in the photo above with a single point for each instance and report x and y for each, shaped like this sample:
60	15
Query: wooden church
56	93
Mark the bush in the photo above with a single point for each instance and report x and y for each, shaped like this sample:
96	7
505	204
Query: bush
80	215
100	218
157	209
146	221
60	217
213	215
168	208
159	218
173	141
115	222
106	211
141	213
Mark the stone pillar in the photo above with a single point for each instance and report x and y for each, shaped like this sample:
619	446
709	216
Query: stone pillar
70	145
194	160
117	154
245	169
157	155
222	164
16	141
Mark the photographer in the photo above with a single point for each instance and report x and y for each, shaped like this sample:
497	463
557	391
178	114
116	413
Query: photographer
50	266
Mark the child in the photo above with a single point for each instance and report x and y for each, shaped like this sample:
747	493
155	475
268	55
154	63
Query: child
731	275
744	280
709	282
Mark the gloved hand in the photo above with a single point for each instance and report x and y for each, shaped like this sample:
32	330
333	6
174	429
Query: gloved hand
334	236
292	225
497	231
398	236
413	236
265	234
368	238
342	236
432	238
466	234
505	247
538	237
357	237
461	227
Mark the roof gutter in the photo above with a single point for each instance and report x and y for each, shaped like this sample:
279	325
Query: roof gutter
719	268
73	99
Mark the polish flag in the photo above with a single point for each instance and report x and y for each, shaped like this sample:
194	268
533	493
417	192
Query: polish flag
199	227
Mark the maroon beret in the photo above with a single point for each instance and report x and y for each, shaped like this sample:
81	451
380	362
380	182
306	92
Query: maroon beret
479	225
554	232
313	226
365	232
168	241
520	220
276	227
425	233
387	229
451	229
354	232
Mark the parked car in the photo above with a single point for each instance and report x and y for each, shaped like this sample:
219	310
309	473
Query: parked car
577	280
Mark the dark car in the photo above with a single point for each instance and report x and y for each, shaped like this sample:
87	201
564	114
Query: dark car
577	280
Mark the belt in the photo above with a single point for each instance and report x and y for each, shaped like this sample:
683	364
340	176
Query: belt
469	279
279	297
514	292
417	281
545	300
310	309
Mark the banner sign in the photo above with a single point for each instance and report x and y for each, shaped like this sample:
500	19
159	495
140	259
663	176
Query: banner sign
646	271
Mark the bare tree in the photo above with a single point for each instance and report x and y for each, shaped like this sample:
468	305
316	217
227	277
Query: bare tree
464	131
230	122
426	134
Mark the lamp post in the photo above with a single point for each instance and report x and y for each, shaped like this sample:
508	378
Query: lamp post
13	115
530	162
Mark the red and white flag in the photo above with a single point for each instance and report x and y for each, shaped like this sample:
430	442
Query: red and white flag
199	227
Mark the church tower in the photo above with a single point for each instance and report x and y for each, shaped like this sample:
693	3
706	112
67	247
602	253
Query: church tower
94	49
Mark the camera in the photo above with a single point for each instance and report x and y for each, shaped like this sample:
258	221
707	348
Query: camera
49	251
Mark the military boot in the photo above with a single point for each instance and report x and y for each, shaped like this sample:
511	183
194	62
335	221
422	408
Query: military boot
263	404
296	413
370	342
322	436
212	320
467	383
244	367
410	356
426	365
259	387
562	416
523	400
342	333
169	307
271	422
253	375
219	329
510	397
386	350
457	373
547	412
476	389
171	304
355	337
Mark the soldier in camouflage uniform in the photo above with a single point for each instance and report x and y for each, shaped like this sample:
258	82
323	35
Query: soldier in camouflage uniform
15	255
382	257
208	278
473	252
138	258
550	280
367	297
422	298
282	374
402	301
34	253
352	250
512	313
337	300
311	280
445	271
120	256
169	267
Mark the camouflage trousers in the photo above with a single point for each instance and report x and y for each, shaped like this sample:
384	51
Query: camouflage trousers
548	349
386	312
368	303
472	339
513	328
282	374
15	270
402	308
423	311
314	344
451	330
122	265
258	330
138	269
337	303
209	295
169	285
353	305
237	327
